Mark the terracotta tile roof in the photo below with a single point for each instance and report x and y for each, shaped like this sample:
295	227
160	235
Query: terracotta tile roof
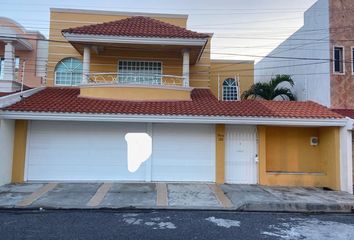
67	100
345	112
137	27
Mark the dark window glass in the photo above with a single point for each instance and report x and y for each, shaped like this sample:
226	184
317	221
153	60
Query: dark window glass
338	60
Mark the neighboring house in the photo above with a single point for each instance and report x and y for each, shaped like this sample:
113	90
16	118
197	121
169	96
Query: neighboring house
113	76
319	57
23	57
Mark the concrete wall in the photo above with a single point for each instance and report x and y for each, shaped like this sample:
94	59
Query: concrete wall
289	150
327	169
7	128
312	77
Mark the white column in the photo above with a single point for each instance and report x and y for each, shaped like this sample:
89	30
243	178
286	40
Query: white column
346	167
86	65
185	67
9	63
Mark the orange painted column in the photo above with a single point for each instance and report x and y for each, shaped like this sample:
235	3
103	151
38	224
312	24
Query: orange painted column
220	154
19	155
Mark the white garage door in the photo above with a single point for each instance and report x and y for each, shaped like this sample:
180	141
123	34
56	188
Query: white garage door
240	153
98	151
183	152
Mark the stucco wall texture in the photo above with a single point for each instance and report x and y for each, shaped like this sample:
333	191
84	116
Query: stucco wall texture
342	34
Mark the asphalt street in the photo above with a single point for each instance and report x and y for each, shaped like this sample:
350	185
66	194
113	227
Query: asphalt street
100	224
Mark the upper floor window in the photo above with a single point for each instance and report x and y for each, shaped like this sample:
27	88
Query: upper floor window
140	72
353	60
2	66
229	90
338	59
68	72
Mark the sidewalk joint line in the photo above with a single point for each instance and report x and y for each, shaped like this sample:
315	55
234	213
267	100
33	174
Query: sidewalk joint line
99	195
162	195
224	201
36	195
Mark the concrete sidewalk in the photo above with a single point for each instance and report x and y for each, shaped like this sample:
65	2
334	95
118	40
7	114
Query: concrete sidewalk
172	196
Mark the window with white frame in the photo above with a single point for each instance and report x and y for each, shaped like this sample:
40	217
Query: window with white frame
68	72
229	90
2	66
338	59
140	72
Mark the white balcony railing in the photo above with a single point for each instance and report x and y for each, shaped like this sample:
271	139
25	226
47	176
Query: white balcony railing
134	79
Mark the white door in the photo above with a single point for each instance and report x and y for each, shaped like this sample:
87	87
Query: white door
80	151
183	152
241	166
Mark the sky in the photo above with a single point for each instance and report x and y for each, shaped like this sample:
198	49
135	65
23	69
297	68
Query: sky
243	29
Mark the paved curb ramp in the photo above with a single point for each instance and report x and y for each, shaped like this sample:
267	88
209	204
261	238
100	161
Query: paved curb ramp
173	196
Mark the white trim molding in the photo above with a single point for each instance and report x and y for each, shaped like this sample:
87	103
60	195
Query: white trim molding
86	38
93	117
16	97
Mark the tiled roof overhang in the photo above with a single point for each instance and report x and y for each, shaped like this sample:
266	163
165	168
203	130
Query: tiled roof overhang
66	102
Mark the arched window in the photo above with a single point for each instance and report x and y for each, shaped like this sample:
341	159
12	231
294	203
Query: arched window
68	72
229	90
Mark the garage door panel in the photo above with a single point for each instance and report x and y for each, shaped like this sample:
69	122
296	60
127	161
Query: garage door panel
187	156
80	151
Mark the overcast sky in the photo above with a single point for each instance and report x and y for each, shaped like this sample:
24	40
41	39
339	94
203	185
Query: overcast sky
243	29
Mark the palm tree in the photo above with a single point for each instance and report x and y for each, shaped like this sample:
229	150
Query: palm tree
271	90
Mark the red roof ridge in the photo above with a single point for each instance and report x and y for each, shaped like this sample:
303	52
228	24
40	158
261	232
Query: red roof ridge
136	26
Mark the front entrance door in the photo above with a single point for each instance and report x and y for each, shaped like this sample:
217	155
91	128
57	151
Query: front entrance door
241	166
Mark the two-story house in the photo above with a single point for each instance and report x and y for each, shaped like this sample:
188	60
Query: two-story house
23	57
319	57
136	97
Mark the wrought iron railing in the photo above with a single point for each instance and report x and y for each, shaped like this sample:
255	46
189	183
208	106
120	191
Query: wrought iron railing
134	79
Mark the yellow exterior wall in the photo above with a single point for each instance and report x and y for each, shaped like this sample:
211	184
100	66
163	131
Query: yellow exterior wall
19	156
289	150
135	93
200	72
107	61
220	154
294	171
229	69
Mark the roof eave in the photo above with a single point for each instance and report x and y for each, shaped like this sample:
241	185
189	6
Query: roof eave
87	38
105	117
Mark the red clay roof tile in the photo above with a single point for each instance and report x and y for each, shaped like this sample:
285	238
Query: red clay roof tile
67	100
136	27
345	112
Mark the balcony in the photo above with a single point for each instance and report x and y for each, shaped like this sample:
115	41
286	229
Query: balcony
135	87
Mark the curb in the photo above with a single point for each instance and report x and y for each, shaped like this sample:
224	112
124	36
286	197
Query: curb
246	207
